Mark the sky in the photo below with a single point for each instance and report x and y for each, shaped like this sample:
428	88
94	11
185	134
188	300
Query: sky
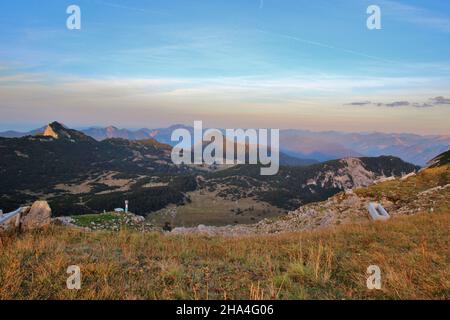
230	63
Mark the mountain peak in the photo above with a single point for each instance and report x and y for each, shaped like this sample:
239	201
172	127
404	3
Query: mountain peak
57	124
56	130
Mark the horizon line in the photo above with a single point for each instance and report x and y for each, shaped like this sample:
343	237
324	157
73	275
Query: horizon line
136	129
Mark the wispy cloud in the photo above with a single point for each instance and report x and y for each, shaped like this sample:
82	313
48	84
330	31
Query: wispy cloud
124	7
359	103
311	101
326	46
432	102
416	15
440	100
298	84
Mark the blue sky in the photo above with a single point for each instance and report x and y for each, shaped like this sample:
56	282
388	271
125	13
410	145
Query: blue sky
271	63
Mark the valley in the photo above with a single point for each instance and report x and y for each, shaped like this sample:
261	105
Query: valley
207	208
79	175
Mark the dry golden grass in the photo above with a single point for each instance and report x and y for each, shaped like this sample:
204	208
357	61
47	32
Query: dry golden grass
403	191
412	253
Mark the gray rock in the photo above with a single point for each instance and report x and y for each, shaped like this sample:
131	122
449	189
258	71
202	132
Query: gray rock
36	217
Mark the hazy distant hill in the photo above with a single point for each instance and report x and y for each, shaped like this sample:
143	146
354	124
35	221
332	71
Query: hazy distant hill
18	134
114	132
163	135
333	145
303	144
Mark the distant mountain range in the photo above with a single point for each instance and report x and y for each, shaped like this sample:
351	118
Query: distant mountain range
78	174
303	144
321	146
163	135
19	134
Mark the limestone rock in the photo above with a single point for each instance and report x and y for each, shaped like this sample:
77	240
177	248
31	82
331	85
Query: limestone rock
136	219
38	216
49	132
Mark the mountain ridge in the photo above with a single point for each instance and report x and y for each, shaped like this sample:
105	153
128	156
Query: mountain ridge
79	174
304	144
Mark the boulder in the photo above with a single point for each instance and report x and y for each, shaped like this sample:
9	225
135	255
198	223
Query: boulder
36	217
136	219
14	222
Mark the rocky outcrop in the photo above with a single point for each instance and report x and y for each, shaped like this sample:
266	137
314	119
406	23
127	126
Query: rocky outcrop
28	218
351	174
39	215
13	222
49	132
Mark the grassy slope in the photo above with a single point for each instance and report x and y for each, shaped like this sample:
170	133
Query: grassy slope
329	264
404	191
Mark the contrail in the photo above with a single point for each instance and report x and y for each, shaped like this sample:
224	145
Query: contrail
261	4
324	45
119	6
